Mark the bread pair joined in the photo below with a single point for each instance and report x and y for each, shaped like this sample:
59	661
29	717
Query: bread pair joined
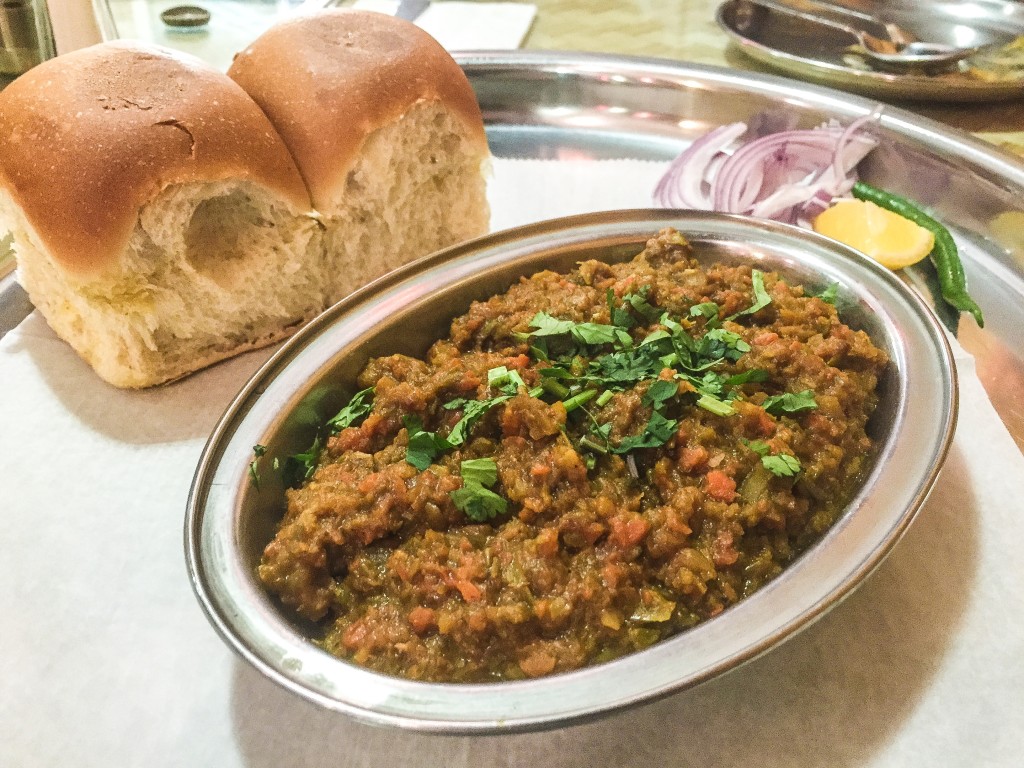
166	216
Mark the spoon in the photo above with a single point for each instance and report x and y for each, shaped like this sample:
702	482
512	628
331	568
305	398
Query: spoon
904	57
899	53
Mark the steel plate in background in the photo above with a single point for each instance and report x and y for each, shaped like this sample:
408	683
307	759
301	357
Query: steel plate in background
812	51
230	520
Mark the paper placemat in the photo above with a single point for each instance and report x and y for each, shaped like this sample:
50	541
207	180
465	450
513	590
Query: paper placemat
107	660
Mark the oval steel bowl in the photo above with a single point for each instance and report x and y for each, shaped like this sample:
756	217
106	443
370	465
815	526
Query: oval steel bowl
230	520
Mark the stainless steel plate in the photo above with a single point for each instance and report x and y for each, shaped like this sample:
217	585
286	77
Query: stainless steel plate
815	52
230	520
578	106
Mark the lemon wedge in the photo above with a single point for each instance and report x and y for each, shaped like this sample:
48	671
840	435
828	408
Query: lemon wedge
890	239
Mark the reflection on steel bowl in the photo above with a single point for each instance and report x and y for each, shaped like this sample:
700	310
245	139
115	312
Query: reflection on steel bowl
587	464
627	487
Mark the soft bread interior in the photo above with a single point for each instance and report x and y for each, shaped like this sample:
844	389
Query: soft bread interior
183	232
417	186
214	269
210	270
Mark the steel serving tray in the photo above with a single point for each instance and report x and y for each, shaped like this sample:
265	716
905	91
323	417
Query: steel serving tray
587	106
231	519
815	52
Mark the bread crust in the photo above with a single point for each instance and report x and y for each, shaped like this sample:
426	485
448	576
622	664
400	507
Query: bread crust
161	220
175	119
329	79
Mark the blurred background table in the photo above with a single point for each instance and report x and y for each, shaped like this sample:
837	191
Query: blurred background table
683	30
687	30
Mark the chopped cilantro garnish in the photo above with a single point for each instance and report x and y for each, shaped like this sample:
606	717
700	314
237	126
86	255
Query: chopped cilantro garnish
576	380
423	446
474	499
506	381
300	466
655	336
830	294
546	325
626	366
578	400
708	310
639	303
482	471
620	314
761	297
257	451
754	374
472	411
592	361
779	464
426	446
790	402
556	373
657	432
718	344
760	447
710	383
356	410
782	464
659	393
714	405
588	334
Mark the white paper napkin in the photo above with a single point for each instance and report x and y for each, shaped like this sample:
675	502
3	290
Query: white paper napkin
461	26
107	660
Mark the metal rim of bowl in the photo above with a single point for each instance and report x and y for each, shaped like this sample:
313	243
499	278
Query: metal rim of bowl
875	519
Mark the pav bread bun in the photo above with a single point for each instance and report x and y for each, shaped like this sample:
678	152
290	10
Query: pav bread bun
166	216
384	127
159	222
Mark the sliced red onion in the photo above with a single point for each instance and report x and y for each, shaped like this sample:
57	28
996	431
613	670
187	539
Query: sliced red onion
853	130
789	176
686	182
818	203
794	193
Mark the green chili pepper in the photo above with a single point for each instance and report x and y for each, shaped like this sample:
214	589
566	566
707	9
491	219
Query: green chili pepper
944	255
